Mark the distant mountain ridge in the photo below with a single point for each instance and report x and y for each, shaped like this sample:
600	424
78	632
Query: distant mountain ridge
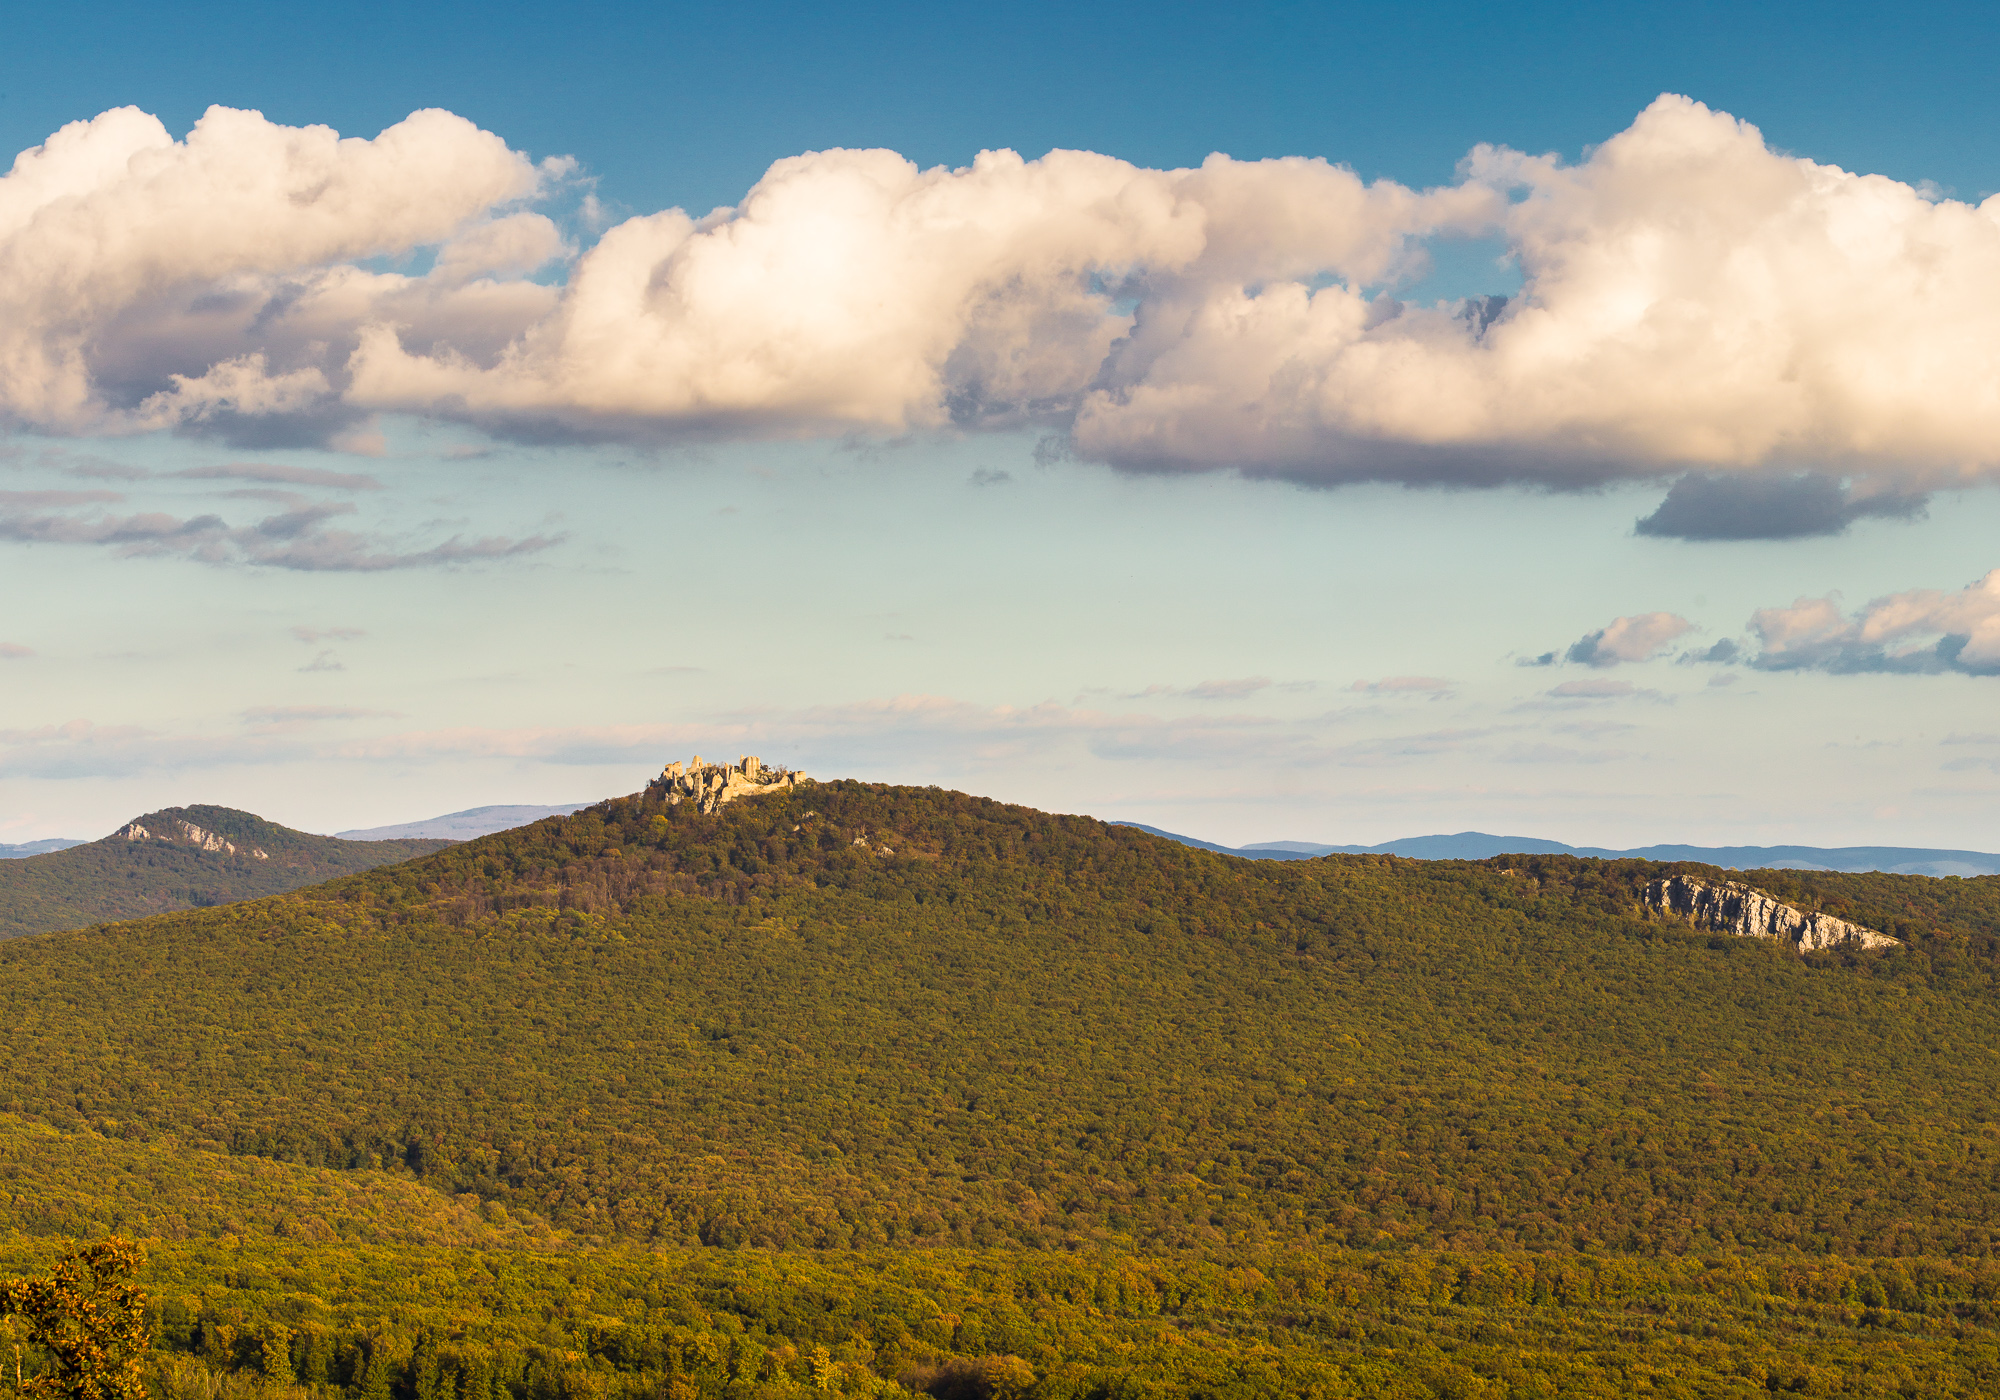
468	825
1479	845
38	848
178	858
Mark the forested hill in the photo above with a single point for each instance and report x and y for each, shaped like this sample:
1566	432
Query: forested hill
856	1015
187	857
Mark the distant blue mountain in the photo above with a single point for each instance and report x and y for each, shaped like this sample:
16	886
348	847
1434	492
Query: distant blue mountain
37	848
1478	845
461	826
1272	852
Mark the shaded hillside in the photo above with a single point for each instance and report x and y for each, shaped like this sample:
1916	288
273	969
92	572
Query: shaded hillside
187	857
866	1016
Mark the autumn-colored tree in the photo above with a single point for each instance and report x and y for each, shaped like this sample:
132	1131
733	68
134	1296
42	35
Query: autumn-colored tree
90	1318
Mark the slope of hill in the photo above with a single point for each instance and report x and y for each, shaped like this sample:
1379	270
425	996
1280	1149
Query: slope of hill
461	826
178	858
86	1184
1478	845
1102	1115
913	1016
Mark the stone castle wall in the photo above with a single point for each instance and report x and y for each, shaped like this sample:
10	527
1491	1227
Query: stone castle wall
710	785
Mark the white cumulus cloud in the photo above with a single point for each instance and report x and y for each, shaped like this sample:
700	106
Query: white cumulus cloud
139	274
853	290
1690	297
1690	300
1923	630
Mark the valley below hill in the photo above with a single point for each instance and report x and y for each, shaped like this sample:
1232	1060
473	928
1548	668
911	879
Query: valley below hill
868	1089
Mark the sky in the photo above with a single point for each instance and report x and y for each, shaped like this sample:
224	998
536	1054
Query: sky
1265	422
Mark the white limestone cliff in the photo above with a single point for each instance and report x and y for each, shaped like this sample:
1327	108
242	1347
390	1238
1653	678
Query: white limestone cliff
710	785
1727	907
186	831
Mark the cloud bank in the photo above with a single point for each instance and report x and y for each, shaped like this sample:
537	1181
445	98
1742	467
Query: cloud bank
298	537
1431	686
1691	300
283	476
918	731
1638	638
1718	506
1922	631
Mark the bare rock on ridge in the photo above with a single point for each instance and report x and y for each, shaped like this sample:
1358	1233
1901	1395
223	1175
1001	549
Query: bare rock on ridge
1727	907
181	829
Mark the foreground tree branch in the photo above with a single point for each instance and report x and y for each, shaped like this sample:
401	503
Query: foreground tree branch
90	1318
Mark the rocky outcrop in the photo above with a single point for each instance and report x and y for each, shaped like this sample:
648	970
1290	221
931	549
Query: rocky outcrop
1727	907
184	832
710	785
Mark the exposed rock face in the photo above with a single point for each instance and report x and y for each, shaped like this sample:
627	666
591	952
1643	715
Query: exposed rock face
187	832
709	785
1728	907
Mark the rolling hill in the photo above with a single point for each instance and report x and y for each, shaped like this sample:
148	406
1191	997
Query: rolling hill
178	858
997	1084
870	1012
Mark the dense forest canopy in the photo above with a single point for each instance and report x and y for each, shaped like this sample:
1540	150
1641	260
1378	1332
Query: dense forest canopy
276	1318
926	1026
861	1016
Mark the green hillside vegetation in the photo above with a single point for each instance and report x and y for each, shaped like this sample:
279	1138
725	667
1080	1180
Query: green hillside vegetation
280	1319
85	1185
117	878
948	1057
1039	1030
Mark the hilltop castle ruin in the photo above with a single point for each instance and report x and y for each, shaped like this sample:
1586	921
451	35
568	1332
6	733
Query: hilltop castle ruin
709	785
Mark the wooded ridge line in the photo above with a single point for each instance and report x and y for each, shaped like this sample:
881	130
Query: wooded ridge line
925	1080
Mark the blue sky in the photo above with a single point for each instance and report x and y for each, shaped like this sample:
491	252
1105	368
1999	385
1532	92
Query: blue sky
382	588
683	104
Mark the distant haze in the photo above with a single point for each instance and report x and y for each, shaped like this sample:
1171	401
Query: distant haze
460	826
